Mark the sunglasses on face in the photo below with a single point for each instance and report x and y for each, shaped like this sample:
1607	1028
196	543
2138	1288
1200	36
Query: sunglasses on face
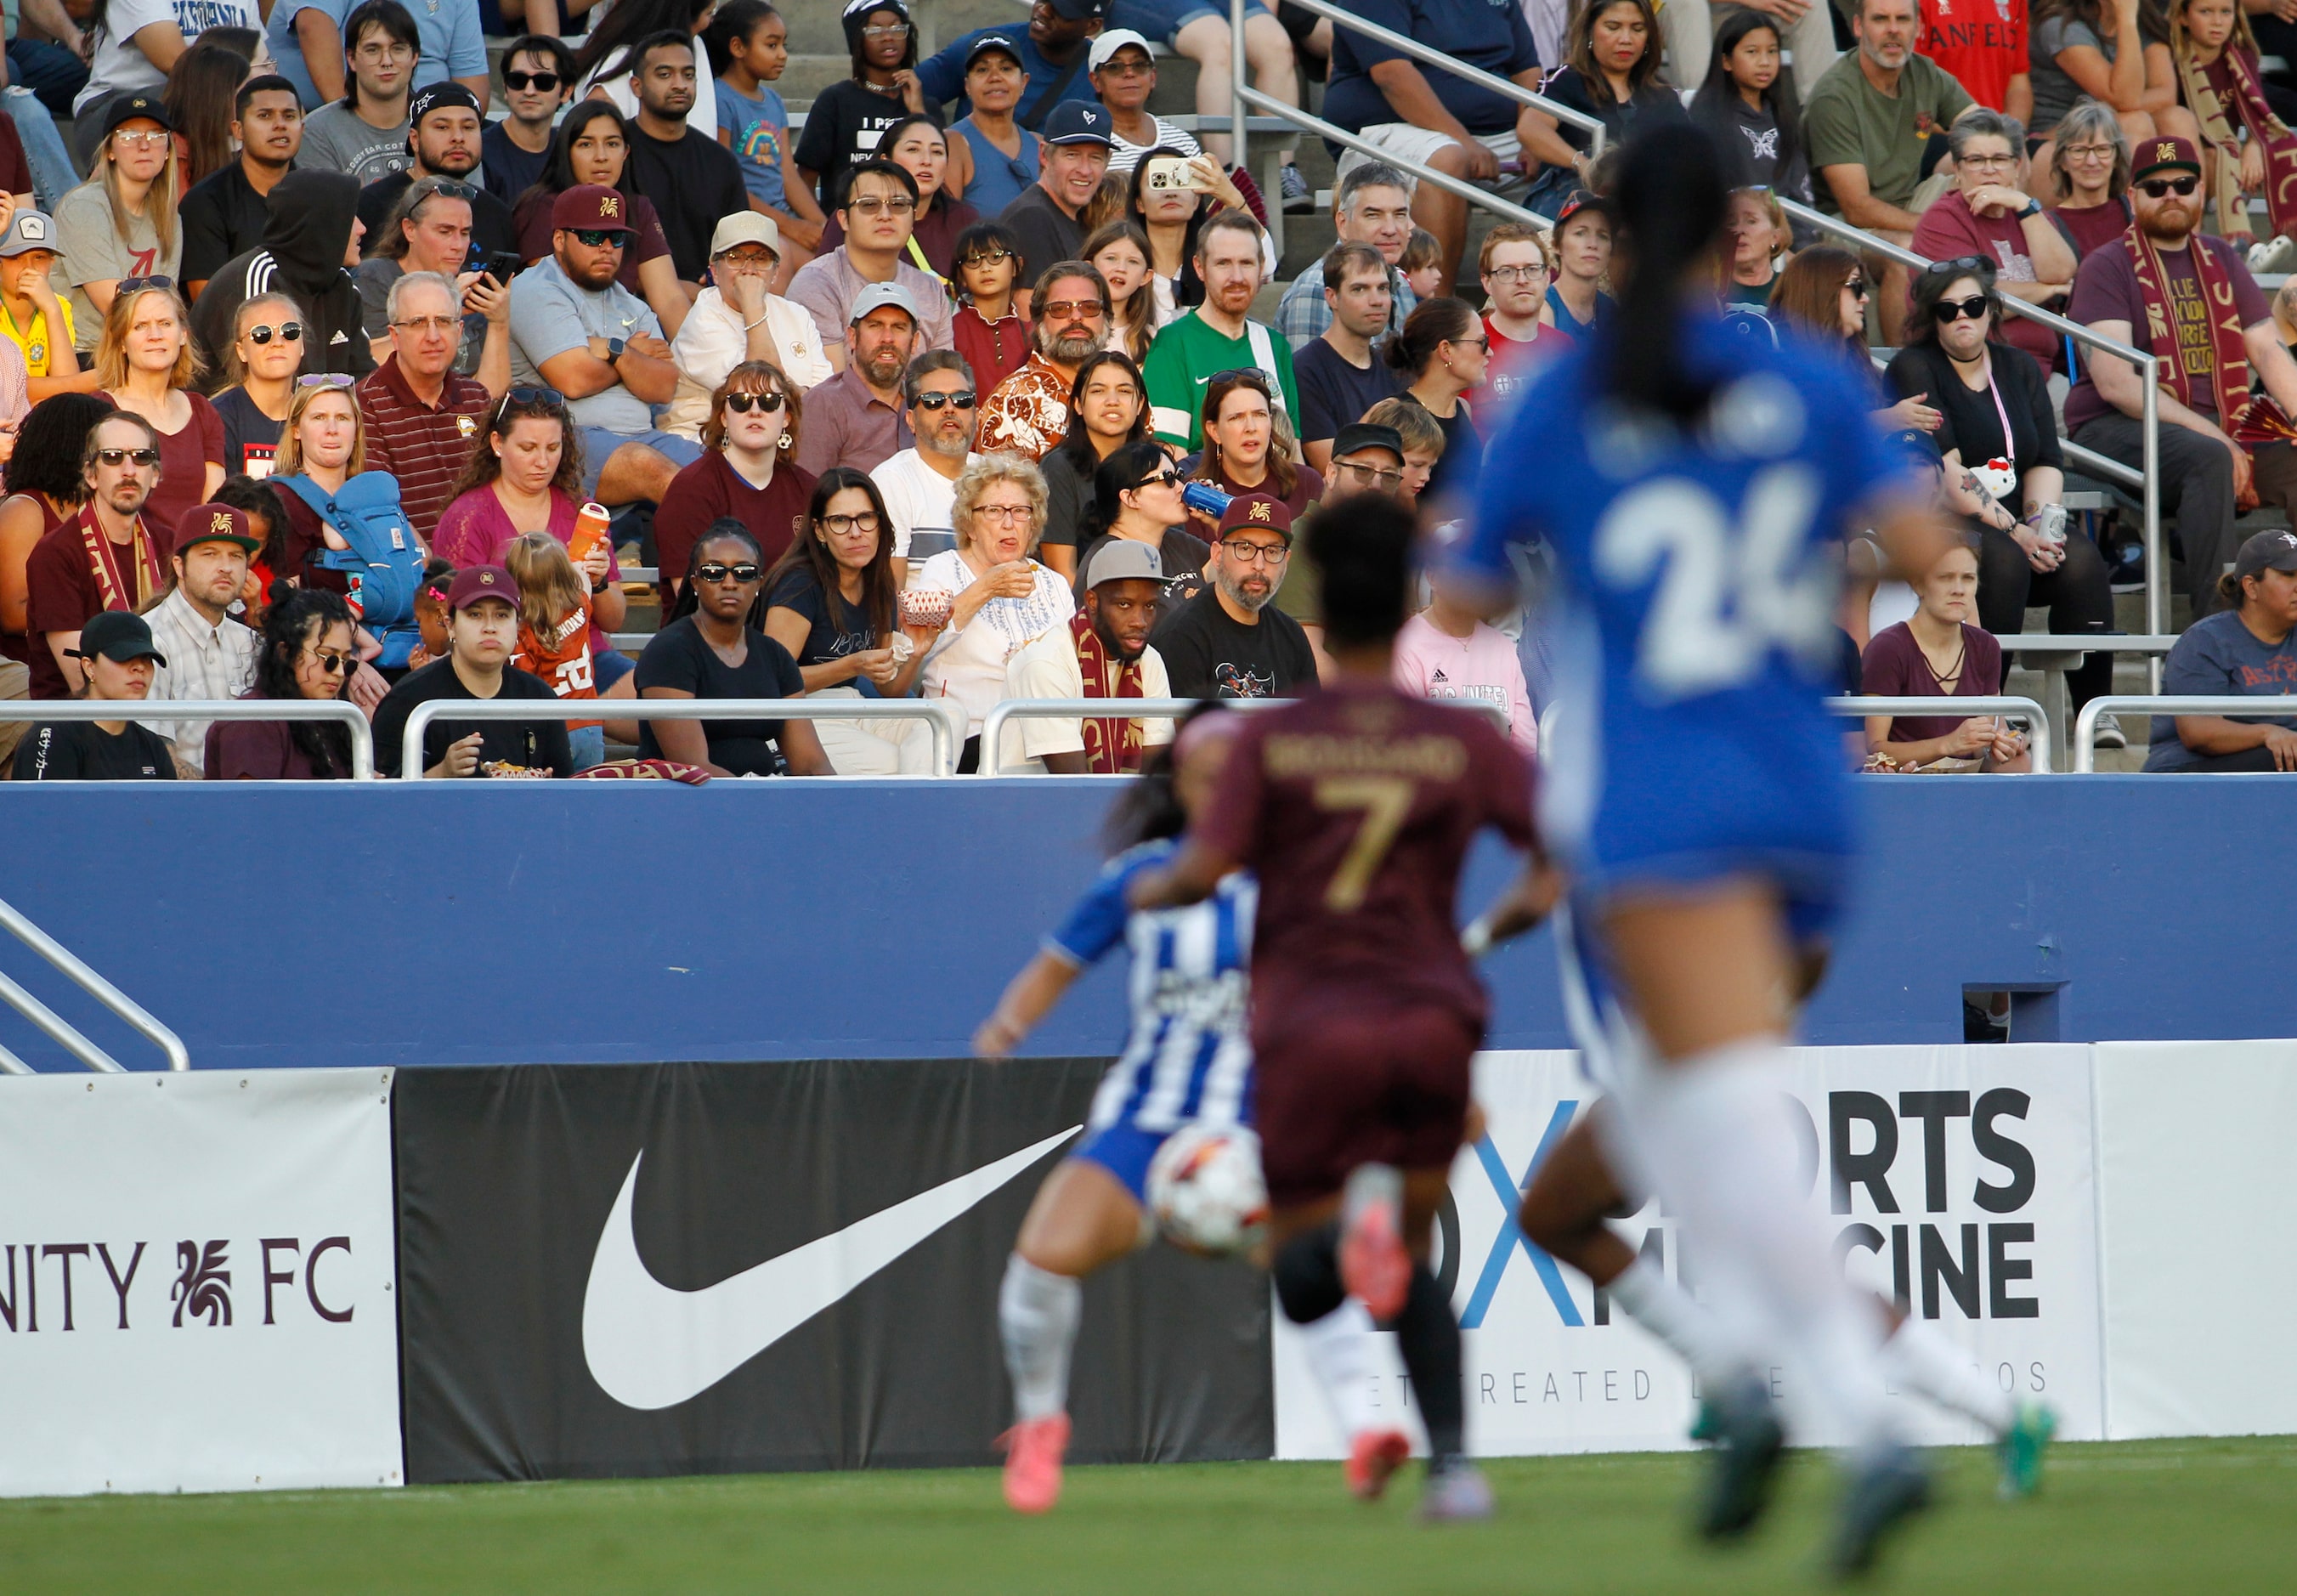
598	238
335	665
962	399
545	81
1856	285
286	331
899	205
1074	310
121	456
742	404
718	570
2157	188
1168	476
1951	310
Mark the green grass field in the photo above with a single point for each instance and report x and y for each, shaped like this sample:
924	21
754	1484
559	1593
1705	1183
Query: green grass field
2185	1516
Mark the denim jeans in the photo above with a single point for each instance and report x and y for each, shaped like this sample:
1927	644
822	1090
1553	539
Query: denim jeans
54	175
49	71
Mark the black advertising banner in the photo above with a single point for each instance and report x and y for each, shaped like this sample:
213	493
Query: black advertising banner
700	1268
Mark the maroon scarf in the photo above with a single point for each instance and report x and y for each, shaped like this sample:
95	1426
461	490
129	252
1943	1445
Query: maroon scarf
1112	747
113	585
2229	380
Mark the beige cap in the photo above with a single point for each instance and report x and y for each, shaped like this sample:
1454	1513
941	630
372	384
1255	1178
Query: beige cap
745	226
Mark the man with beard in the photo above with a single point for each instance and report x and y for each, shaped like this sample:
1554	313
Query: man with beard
1216	336
310	244
447	126
855	418
207	654
693	180
225	212
105	557
575	328
1071	158
1227	642
919	483
1102	653
1028	412
2165	272
878	211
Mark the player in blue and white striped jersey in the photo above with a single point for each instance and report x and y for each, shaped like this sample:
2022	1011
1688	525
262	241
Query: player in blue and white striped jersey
1187	1060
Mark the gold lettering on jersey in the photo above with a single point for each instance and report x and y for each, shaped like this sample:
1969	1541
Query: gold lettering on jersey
1308	755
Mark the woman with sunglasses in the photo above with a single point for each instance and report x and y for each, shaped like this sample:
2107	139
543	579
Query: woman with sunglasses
1137	495
2005	471
145	364
1989	217
265	352
833	602
593	145
748	472
1441	353
309	651
1242	453
1108	398
1824	291
715	647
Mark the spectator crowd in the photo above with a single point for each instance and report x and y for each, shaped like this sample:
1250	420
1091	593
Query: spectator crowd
977	380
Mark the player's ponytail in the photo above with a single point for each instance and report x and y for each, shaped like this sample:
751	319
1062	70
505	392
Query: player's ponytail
1671	213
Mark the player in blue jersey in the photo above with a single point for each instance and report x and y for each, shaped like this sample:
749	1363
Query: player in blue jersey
1187	1060
1692	488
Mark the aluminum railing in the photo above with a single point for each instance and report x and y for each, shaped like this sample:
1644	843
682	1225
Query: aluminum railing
348	714
2161	703
1001	715
946	719
2044	746
62	1032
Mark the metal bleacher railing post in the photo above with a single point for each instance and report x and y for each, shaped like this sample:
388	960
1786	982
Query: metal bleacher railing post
62	1032
993	724
2044	750
940	714
210	708
2085	758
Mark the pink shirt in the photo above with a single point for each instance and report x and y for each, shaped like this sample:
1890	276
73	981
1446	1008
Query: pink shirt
475	530
1480	665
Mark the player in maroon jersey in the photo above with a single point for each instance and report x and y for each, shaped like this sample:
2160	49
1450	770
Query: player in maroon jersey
1355	808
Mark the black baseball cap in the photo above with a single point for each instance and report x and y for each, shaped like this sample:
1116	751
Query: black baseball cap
129	108
118	636
1079	122
2266	551
1078	11
1363	435
991	44
1585	199
440	96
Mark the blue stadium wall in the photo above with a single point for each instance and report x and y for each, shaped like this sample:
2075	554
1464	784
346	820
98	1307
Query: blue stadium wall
474	922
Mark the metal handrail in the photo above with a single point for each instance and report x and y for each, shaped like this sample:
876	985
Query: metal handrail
1424	174
60	1030
993	724
2166	704
2044	744
945	718
207	708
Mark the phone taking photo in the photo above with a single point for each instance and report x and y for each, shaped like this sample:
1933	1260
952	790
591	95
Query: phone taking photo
1168	173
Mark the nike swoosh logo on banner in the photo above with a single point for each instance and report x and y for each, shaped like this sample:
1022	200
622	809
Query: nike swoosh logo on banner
650	1346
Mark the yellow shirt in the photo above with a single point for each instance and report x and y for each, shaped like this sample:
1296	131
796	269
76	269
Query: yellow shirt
34	342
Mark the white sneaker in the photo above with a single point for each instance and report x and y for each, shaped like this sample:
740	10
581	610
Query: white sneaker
2276	254
2110	734
1458	1495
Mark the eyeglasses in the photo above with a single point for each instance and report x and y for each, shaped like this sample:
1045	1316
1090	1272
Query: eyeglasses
718	570
324	379
333	663
142	139
987	257
962	399
1517	273
2005	159
431	324
1371	476
2088	152
2157	188
1952	311
1074	310
1255	553
864	521
885	31
1003	515
871	205
139	285
599	238
1481	343
286	331
375	50
121	456
756	261
742	404
545	81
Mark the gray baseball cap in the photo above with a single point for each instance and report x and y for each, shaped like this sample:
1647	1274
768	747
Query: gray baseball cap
1121	558
29	230
2266	551
876	296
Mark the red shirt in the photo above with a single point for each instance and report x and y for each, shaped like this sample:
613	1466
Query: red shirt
1981	43
1356	807
1515	361
425	448
184	458
708	489
1949	230
62	594
993	350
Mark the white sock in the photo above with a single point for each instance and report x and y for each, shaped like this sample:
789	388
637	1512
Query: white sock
1675	1316
1340	1351
1037	1313
1921	1359
1727	1155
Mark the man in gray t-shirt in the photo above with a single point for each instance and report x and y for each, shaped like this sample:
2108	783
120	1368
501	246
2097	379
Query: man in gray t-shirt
574	329
337	139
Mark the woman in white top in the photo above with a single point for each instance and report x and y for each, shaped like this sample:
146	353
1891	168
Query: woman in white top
737	318
1000	599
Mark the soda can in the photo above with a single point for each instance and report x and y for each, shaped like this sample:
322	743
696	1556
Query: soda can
1205	497
2050	524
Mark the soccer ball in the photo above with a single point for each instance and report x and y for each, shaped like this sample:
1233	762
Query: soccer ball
1206	1192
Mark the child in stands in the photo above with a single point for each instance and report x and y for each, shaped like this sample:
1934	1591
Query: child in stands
553	632
986	330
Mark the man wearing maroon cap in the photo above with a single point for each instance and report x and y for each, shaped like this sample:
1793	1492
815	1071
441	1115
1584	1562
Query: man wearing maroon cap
2170	290
575	329
1227	641
482	635
206	654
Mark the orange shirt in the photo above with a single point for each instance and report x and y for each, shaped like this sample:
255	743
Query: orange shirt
562	658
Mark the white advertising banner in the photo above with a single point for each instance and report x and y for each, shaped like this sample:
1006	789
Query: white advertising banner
197	1282
1957	1179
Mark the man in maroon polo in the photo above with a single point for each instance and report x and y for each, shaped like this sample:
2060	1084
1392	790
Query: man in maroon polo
424	417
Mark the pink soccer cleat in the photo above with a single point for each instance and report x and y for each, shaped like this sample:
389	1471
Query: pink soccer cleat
1373	1457
1374	1266
1033	1462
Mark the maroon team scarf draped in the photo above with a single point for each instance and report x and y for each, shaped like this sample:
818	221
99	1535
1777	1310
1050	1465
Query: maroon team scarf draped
2220	117
103	562
1112	747
2229	382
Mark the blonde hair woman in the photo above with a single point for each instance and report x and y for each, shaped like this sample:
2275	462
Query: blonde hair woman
145	364
121	224
999	598
323	441
265	352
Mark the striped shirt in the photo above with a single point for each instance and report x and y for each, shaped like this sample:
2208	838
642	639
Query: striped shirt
1189	1057
425	447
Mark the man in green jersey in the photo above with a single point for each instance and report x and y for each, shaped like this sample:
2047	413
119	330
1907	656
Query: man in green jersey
1217	335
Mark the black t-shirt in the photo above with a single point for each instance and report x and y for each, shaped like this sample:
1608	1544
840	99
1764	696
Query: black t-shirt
1462	460
83	751
492	227
221	215
1208	655
532	745
249	435
1068	496
839	629
1652	105
1333	393
1182	554
509	170
842	128
682	657
1047	234
1971	424
692	181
